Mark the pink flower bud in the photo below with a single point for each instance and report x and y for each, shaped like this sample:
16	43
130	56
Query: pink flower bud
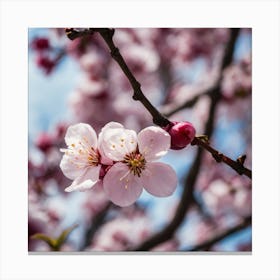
40	44
44	142
182	134
45	63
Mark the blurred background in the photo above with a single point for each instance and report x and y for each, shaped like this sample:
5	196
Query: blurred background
78	81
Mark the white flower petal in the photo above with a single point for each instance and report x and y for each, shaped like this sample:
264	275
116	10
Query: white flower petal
70	168
104	159
80	186
81	132
159	179
121	186
87	180
110	125
115	143
153	142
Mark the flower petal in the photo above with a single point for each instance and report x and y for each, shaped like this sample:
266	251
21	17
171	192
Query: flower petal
159	179
87	180
121	186
110	125
70	168
104	159
81	132
153	142
115	142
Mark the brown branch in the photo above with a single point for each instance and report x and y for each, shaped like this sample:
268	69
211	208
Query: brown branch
237	165
107	35
95	224
158	118
73	34
191	102
206	245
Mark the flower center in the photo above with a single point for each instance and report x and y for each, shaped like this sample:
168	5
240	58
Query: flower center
83	154
93	157
136	162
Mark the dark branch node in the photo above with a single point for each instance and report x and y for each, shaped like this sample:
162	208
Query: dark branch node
218	156
162	122
241	159
115	53
135	96
240	170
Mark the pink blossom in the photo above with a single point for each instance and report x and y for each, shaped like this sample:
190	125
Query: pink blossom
47	64
141	59
218	198
237	80
182	134
223	197
135	168
92	62
94	204
44	141
168	246
81	161
40	44
93	87
122	233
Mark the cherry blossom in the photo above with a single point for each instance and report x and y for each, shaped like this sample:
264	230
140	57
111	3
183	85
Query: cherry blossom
45	63
136	168
40	44
175	66
122	233
81	160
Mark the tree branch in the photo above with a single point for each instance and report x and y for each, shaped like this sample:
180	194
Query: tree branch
96	222
206	245
191	102
158	118
237	165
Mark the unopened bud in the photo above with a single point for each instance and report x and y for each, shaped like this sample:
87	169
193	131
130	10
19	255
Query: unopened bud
45	63
182	134
40	44
44	142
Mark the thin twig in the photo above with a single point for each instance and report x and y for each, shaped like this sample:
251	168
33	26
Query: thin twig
158	118
237	165
206	245
191	102
73	34
95	224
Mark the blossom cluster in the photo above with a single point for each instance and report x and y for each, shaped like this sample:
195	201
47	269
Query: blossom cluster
178	87
120	160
